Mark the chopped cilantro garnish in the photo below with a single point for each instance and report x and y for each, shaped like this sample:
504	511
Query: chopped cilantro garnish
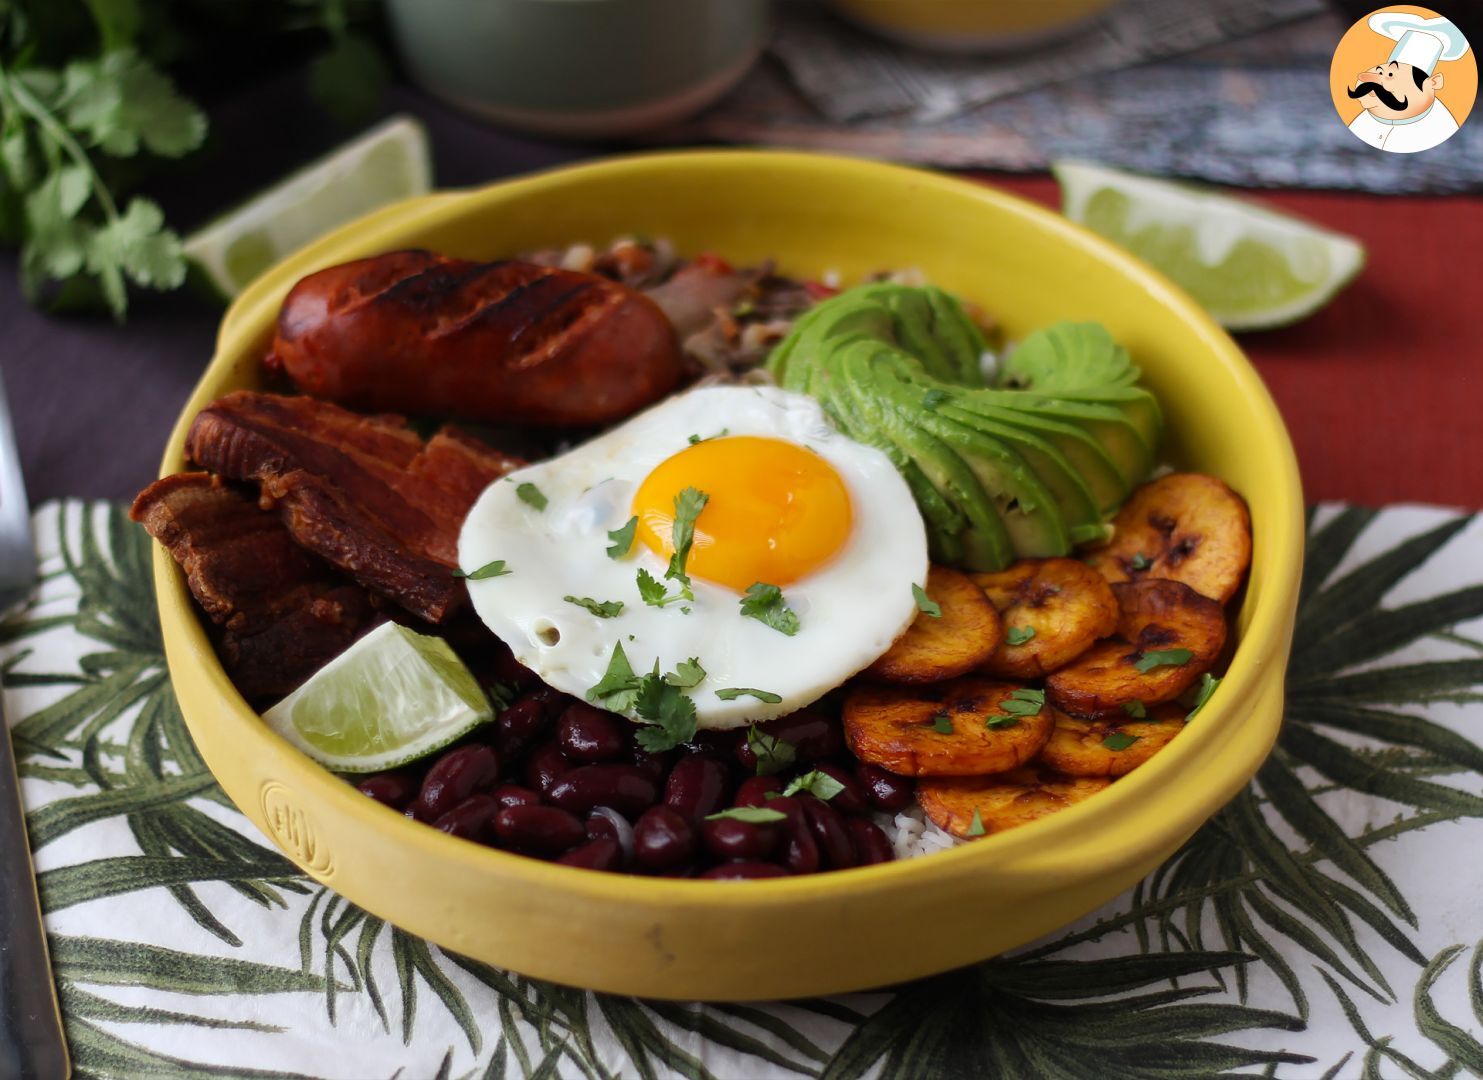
618	687
765	603
773	754
1139	561
532	496
687	673
1018	635
998	723
731	693
933	398
976	826
752	815
603	609
942	723
1135	709
1163	658
1208	683
1022	702
652	590
816	783
670	714
488	570
688	505
925	603
707	438
1119	740
623	539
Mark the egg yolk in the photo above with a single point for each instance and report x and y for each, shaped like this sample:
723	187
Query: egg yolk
776	511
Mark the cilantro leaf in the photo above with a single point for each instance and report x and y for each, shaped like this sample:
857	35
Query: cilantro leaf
687	673
622	538
1022	702
120	101
942	723
618	687
1208	683
531	495
1139	561
669	712
688	505
652	589
731	693
1119	740
765	603
1018	635
925	603
1135	709
818	784
603	609
752	815
1163	658
488	570
976	826
773	754
998	723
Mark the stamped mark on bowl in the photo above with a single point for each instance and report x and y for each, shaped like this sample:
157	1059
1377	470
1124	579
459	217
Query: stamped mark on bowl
289	825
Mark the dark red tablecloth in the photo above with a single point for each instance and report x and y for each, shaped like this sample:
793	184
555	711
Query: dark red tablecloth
1382	390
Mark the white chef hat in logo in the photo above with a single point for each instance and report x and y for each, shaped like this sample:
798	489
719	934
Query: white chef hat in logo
1419	41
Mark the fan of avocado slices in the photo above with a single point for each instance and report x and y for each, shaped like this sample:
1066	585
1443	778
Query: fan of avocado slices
1027	467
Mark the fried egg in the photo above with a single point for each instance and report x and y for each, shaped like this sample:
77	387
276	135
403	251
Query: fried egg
789	502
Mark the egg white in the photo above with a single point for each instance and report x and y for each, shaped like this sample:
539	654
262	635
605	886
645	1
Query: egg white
850	610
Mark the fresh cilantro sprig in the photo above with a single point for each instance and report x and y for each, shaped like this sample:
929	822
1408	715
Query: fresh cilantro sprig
657	699
731	693
976	826
1163	658
941	723
618	687
687	674
818	784
752	815
488	570
603	609
653	592
765	603
1208	683
1119	740
688	505
532	496
925	604
1135	709
1018	635
772	753
622	538
1023	702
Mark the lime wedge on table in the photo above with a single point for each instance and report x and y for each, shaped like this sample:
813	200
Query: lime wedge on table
1249	266
390	698
387	163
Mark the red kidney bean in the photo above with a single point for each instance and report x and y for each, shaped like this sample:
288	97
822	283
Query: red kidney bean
663	838
454	777
623	787
518	727
871	844
851	800
884	790
721	743
753	791
744	871
470	819
728	838
538	830
697	786
654	765
603	853
813	735
544	767
515	795
800	849
391	789
588	734
829	833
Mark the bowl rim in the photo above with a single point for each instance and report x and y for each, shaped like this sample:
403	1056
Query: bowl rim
1263	645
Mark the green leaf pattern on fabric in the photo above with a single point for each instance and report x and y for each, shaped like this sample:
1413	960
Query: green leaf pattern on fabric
1310	929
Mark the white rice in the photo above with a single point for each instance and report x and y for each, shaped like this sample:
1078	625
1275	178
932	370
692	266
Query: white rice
911	834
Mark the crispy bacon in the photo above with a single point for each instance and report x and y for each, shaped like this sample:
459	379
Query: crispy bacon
280	613
362	492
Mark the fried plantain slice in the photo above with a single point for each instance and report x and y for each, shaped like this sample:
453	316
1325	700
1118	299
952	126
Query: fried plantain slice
1160	622
945	729
1002	801
1186	527
946	646
1110	747
1063	603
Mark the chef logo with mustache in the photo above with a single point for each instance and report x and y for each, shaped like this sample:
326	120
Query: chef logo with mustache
1415	84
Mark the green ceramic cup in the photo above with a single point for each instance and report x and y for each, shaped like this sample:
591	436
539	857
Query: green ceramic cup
579	68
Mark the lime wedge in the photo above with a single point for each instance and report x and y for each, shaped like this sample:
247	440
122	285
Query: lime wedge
392	697
387	163
1250	267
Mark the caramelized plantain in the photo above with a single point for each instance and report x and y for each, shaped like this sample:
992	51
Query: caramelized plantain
1063	603
1110	747
1160	621
1001	802
944	729
946	646
1186	527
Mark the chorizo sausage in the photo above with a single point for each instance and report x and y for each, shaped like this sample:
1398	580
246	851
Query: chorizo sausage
500	342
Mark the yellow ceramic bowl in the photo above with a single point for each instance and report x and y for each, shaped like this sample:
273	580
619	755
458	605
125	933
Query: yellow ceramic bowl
834	931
